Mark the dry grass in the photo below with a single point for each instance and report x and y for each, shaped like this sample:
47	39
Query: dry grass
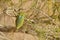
42	17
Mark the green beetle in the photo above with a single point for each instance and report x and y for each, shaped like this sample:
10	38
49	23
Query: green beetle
20	20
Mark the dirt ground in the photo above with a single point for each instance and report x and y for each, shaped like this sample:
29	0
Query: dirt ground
16	36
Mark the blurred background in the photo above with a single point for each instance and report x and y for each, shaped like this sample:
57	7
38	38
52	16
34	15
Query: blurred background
42	18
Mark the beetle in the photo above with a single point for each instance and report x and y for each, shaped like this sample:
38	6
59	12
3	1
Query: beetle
20	20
